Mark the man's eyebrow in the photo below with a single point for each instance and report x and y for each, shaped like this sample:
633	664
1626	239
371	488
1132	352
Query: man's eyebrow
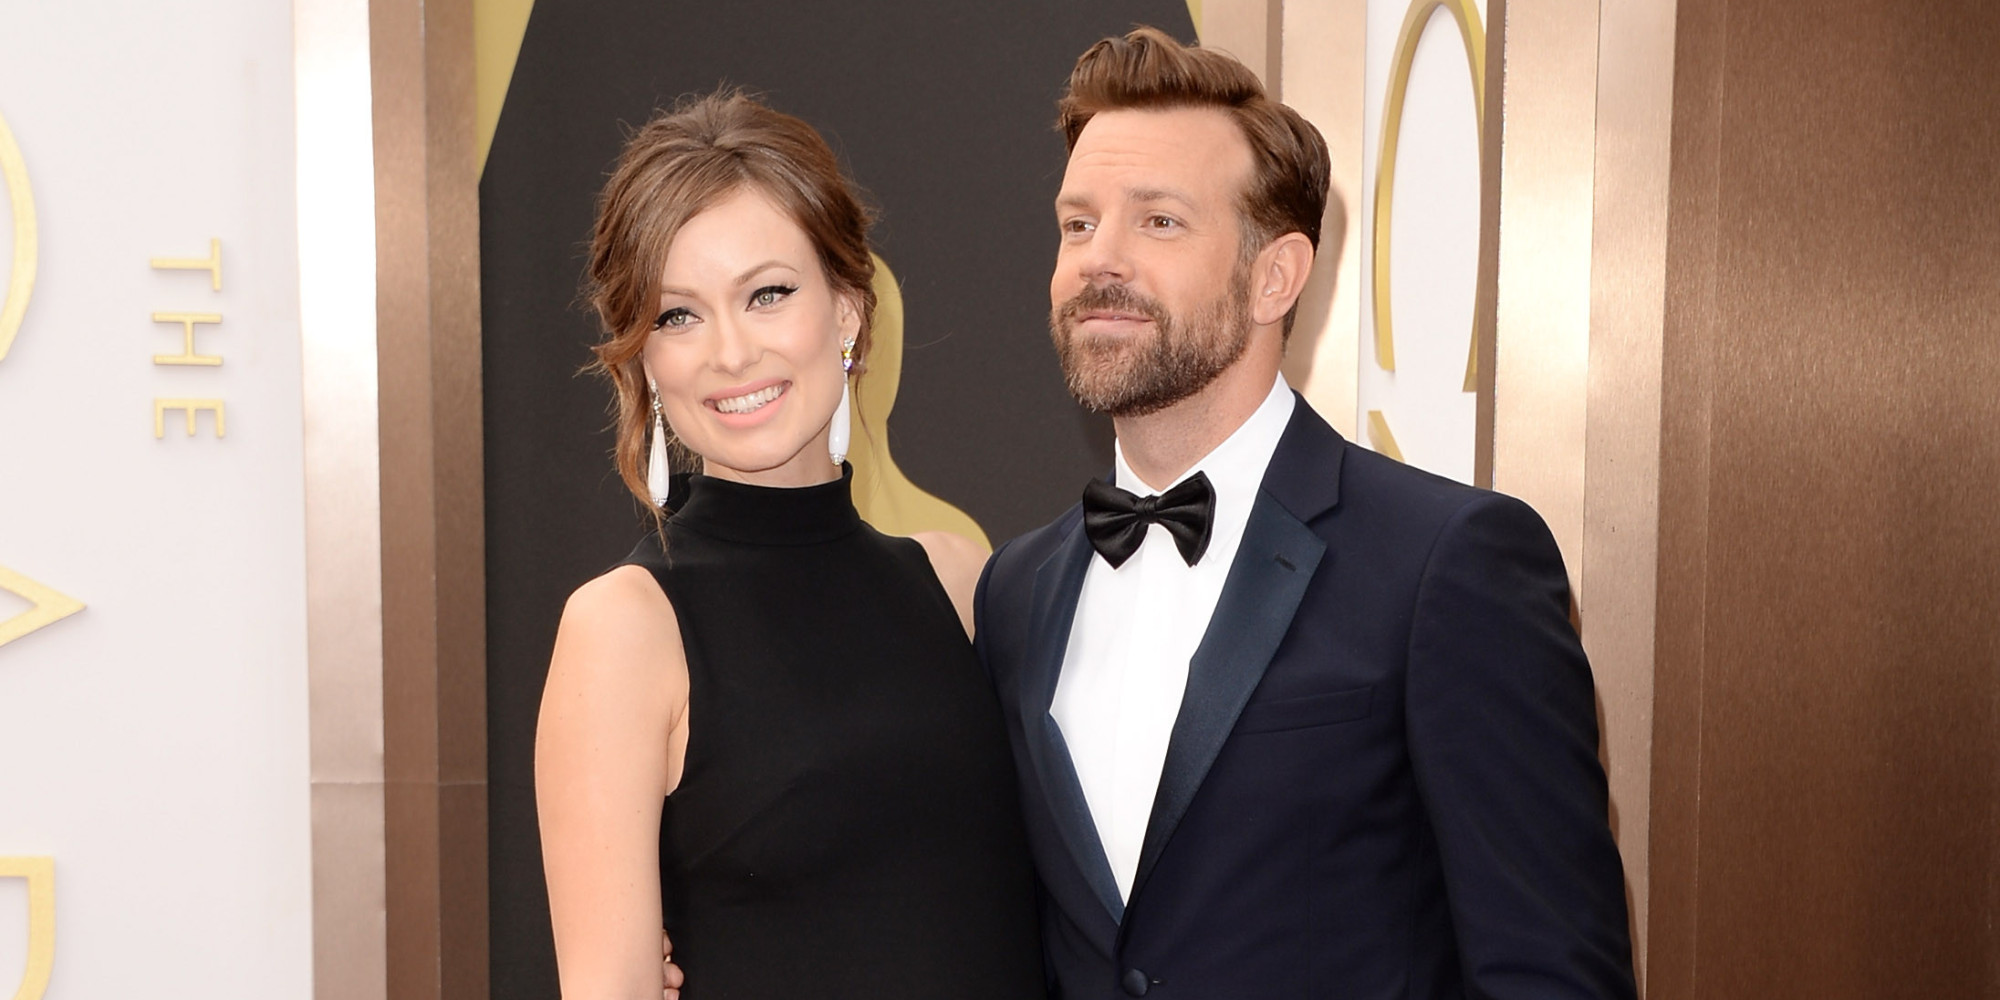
1070	199
1159	194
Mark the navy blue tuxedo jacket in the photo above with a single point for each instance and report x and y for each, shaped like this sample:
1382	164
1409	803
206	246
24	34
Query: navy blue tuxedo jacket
1383	781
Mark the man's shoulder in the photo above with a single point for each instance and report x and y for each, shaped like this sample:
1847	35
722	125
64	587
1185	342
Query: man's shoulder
1014	563
1383	497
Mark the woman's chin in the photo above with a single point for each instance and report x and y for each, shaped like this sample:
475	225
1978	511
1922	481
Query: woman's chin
789	463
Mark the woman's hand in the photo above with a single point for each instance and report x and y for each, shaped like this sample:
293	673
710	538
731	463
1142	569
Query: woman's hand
671	977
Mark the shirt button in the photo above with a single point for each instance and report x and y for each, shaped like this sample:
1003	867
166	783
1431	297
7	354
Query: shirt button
1136	983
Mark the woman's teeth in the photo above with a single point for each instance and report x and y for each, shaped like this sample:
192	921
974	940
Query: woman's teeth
750	401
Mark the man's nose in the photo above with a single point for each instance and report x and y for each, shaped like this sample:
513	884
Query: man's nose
1104	260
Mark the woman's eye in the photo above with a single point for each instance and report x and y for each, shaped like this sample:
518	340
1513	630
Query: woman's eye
770	295
673	319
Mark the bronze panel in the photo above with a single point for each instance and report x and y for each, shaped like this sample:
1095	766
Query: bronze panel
343	499
433	570
1687	370
1829	628
1622	440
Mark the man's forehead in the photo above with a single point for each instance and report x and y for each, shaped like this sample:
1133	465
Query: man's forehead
1157	152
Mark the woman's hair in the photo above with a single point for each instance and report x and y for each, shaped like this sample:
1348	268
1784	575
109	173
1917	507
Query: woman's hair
678	164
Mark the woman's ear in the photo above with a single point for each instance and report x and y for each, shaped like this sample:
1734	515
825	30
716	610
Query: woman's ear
847	313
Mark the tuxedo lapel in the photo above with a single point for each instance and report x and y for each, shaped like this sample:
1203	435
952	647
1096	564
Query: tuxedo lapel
1058	584
1268	579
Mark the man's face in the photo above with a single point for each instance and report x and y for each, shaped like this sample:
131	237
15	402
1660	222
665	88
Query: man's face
1150	297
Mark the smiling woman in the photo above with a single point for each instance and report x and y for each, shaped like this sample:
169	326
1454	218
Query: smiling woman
764	198
843	812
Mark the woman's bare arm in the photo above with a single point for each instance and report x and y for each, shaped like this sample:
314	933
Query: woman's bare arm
957	561
608	749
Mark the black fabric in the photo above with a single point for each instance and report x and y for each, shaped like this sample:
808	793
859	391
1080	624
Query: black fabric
847	824
1117	520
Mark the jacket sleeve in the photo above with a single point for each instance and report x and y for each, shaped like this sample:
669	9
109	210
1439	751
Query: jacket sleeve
1502	723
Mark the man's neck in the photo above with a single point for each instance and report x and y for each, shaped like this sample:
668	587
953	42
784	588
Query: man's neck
1160	447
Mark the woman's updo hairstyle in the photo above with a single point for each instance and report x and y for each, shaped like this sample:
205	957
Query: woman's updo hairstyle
678	164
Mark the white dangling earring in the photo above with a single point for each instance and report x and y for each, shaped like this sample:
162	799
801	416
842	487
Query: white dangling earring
838	432
656	463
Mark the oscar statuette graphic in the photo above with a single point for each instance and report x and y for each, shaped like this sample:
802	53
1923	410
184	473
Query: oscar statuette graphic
885	496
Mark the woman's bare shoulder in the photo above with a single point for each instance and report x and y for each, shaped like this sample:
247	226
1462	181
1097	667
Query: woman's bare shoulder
620	620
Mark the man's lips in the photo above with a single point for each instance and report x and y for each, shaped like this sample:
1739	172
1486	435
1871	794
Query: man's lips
1110	317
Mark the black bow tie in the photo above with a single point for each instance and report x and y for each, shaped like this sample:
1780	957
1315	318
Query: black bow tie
1116	521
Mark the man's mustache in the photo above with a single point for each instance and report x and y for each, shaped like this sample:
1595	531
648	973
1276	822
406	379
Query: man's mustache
1114	298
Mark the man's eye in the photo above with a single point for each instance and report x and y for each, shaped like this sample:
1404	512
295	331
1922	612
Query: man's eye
1161	222
1076	226
673	319
770	295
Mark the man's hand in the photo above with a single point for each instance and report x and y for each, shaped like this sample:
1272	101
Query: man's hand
670	974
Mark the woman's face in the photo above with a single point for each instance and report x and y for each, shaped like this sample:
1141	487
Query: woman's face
746	347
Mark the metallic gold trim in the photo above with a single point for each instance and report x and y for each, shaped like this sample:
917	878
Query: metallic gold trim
21	276
1379	437
46	606
1474	35
1325	78
41	876
1247	29
337	334
1621	508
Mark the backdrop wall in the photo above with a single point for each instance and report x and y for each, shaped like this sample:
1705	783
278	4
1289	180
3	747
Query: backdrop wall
153	743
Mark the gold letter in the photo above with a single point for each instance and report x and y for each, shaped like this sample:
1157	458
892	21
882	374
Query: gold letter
161	406
46	606
21	276
187	355
212	264
41	876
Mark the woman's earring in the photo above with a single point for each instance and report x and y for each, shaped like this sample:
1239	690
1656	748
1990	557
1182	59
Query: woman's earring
656	463
837	433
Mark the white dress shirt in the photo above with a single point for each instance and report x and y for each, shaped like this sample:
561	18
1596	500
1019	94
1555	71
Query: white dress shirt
1126	666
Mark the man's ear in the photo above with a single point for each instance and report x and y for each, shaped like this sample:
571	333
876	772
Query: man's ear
1278	278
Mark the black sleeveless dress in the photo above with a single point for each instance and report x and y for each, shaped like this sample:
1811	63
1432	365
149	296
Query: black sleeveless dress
847	823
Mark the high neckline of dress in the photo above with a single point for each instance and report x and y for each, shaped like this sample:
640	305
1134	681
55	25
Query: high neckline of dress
767	515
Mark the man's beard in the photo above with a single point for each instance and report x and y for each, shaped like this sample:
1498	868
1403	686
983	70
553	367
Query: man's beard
1130	377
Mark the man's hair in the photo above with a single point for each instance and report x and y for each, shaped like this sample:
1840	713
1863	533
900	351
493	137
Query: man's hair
1149	70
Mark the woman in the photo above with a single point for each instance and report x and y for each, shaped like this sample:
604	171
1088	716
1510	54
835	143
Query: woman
766	730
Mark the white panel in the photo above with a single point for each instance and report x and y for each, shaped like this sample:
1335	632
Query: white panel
1434	249
156	742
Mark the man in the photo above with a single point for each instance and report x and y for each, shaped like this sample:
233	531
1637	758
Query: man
1290	719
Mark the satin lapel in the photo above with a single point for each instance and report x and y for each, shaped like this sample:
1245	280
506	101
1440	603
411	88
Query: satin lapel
1058	583
1266	582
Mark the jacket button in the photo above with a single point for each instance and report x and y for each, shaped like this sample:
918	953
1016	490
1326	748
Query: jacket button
1135	983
